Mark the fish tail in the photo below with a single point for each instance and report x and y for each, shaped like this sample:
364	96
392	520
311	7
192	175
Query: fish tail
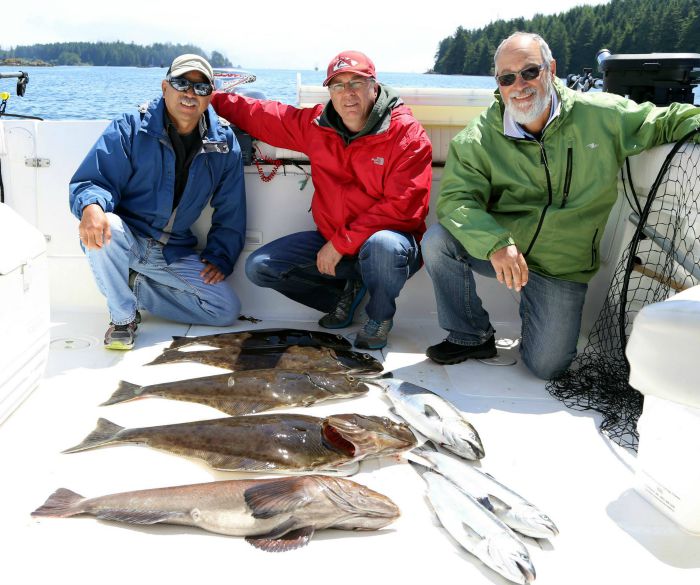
105	432
61	504
168	356
125	391
179	341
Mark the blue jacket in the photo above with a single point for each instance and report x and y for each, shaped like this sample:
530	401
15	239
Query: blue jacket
130	171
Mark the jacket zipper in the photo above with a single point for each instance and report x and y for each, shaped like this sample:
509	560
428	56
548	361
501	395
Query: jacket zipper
593	254
549	202
567	179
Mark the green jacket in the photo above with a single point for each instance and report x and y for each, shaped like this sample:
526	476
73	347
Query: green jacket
550	198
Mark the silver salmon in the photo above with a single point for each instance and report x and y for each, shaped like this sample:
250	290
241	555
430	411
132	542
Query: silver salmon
514	510
290	358
268	442
249	391
265	338
434	417
478	530
274	515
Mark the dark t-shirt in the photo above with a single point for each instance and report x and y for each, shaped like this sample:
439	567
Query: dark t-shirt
186	147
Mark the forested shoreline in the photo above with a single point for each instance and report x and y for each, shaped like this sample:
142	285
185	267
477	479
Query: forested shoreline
622	26
115	54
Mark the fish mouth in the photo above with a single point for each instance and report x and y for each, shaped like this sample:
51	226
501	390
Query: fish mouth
365	508
359	436
527	571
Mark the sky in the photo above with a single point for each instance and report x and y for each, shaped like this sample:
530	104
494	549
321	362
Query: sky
269	33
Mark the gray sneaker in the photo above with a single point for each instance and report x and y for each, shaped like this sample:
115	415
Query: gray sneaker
341	316
373	334
121	336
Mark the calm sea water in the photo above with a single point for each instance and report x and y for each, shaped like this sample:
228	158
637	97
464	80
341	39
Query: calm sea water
55	93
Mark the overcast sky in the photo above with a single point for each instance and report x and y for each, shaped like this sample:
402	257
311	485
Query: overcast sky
398	36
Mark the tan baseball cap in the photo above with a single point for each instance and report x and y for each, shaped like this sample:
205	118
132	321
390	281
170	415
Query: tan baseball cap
191	62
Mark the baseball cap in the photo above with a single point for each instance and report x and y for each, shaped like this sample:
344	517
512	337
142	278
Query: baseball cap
190	62
350	62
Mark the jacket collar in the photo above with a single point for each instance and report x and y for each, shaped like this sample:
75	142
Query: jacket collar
378	121
211	126
562	101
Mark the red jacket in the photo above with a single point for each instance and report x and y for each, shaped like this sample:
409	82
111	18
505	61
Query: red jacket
379	181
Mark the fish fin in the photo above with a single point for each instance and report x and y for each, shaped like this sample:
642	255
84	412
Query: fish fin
179	341
343	470
231	462
498	504
416	456
60	504
486	503
289	541
167	357
125	391
430	412
105	432
419	467
277	497
139	516
471	533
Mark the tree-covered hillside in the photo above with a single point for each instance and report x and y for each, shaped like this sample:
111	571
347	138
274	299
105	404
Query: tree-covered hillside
118	53
623	26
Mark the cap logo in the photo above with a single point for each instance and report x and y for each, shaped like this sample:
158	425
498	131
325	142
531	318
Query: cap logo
344	62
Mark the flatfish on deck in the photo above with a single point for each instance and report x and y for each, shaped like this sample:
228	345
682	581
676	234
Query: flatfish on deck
286	358
268	442
265	338
249	391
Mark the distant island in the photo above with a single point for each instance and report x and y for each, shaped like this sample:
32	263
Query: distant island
622	26
114	54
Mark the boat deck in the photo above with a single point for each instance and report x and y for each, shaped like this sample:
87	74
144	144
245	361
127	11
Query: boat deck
554	456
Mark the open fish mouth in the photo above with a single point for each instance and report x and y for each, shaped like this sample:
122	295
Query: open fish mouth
358	436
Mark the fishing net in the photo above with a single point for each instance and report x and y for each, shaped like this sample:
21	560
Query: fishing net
662	259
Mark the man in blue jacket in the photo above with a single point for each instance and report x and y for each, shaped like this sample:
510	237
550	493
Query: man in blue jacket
137	194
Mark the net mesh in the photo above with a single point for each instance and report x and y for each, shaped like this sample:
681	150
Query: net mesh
662	259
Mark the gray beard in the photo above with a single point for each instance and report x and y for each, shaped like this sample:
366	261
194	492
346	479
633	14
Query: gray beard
538	107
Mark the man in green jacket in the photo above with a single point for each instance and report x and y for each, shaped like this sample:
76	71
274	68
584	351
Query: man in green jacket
525	196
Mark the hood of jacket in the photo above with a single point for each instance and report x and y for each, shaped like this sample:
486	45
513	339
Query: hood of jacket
378	120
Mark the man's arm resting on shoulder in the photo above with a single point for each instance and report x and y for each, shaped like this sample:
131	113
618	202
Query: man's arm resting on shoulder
278	124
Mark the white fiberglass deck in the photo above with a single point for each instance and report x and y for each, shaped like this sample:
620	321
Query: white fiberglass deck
554	456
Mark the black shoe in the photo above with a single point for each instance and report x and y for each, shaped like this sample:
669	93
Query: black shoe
344	311
447	352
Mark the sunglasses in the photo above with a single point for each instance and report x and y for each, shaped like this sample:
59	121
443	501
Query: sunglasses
201	88
354	85
528	74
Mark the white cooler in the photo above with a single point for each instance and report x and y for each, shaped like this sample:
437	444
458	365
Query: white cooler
24	309
664	352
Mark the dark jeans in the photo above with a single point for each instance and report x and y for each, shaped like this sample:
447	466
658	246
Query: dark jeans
385	262
550	308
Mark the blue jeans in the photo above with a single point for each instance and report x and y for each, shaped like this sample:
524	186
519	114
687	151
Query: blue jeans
173	291
384	263
550	308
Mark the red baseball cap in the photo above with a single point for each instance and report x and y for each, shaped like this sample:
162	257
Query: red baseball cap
350	62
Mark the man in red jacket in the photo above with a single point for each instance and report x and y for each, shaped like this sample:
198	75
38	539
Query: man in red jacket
371	170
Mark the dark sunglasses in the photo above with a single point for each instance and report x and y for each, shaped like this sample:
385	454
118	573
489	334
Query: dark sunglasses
528	74
181	84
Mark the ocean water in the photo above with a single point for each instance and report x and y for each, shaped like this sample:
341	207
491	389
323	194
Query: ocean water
56	93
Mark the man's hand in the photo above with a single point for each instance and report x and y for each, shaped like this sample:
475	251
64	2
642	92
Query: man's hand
327	259
510	266
210	273
94	227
